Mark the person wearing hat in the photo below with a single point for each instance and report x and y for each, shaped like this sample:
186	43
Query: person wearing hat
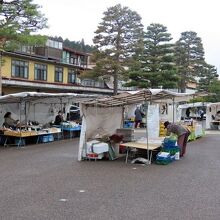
182	134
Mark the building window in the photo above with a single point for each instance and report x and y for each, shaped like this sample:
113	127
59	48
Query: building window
84	60
71	76
66	57
74	59
40	72
58	74
88	82
99	84
93	83
19	69
26	49
54	44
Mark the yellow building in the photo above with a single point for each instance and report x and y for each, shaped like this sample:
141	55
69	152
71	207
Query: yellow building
52	68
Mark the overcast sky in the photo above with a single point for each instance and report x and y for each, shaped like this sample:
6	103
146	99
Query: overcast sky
77	19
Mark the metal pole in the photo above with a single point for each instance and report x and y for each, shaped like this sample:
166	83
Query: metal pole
25	113
173	109
123	118
146	111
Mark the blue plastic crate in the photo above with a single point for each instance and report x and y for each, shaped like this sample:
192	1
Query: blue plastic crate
171	150
44	139
167	143
50	138
160	156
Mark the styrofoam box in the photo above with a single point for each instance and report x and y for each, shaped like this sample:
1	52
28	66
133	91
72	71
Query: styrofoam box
89	145
100	148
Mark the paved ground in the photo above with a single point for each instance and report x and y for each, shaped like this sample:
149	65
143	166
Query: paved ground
47	182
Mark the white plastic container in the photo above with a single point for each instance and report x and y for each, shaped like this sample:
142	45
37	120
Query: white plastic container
100	148
177	155
89	145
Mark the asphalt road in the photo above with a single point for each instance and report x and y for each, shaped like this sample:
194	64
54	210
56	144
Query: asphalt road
46	181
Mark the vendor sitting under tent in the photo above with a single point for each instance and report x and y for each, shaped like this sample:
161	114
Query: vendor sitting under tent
59	118
9	121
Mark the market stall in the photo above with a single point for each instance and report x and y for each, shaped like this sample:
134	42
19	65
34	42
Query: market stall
212	122
69	129
35	112
102	117
192	110
20	138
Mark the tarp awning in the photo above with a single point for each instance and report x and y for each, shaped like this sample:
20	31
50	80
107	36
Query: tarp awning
36	96
193	105
128	98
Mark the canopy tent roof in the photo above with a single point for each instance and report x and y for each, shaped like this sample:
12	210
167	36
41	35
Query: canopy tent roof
195	104
43	97
214	104
134	97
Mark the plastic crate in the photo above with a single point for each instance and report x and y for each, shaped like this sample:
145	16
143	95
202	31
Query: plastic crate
163	159
172	151
163	156
169	143
44	139
50	138
163	162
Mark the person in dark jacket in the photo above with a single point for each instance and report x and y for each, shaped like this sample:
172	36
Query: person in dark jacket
138	117
182	134
59	118
188	112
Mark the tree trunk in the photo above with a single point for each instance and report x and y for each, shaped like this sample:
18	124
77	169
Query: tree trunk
115	92
183	83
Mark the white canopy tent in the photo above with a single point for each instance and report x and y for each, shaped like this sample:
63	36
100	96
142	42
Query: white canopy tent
194	109
36	106
211	110
106	114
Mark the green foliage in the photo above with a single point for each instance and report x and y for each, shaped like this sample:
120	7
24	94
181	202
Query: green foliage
157	67
214	90
198	99
18	19
207	76
214	87
118	39
77	45
189	55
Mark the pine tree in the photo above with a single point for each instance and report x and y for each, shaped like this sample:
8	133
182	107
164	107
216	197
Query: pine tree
156	65
18	19
207	76
117	38
214	87
189	55
79	46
